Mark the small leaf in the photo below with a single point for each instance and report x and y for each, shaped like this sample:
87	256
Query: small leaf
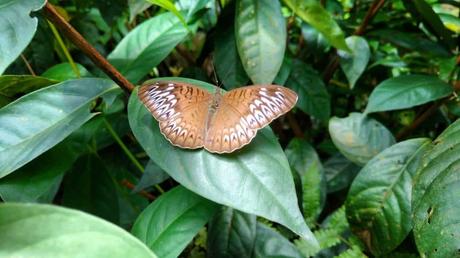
313	13
358	137
231	233
64	71
255	179
153	175
89	187
170	222
37	230
270	243
339	172
378	205
436	202
36	122
17	28
354	64
136	7
147	45
169	5
313	96
405	92
260	38
39	180
305	161
12	85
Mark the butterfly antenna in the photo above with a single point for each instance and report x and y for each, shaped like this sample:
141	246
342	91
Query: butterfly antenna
214	73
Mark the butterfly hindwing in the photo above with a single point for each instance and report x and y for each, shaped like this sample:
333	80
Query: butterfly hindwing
181	110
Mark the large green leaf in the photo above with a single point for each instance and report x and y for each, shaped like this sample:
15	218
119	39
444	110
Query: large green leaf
255	179
17	28
11	85
313	96
170	222
312	12
38	181
358	137
354	64
406	91
260	38
37	230
270	243
226	59
89	187
379	201
36	122
231	233
147	45
436	202
305	161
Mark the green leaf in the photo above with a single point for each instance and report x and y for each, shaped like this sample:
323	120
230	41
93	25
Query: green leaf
36	122
37	230
260	32
12	85
378	205
305	161
38	181
17	28
354	64
284	72
436	202
405	92
147	45
358	137
255	179
270	243
169	5
152	175
89	187
136	7
313	96
231	233
64	71
171	221
339	172
226	59
313	13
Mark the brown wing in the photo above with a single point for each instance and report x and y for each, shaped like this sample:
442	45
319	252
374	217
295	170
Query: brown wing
181	110
242	112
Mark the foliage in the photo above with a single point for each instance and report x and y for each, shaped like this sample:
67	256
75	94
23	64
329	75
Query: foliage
365	165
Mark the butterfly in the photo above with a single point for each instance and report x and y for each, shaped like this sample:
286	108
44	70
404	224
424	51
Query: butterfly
191	117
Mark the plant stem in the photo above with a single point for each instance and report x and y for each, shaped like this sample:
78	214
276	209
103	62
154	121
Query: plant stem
125	149
29	67
64	49
78	40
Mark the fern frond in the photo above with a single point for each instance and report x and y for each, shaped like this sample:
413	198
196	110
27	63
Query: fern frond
353	252
327	237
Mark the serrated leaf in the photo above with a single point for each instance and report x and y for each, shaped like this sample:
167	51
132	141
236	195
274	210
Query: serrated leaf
37	230
354	64
313	13
171	221
260	38
313	96
305	161
436	202
17	28
406	91
378	205
255	179
231	233
36	122
147	45
358	137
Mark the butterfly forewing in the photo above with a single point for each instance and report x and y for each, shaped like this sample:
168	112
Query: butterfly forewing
242	112
181	110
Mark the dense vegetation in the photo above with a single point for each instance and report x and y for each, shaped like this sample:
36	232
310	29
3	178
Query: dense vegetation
367	163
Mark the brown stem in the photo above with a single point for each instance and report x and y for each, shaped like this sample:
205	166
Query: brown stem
78	40
334	63
420	119
29	67
131	186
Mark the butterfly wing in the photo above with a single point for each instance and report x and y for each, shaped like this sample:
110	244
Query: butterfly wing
181	110
242	112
